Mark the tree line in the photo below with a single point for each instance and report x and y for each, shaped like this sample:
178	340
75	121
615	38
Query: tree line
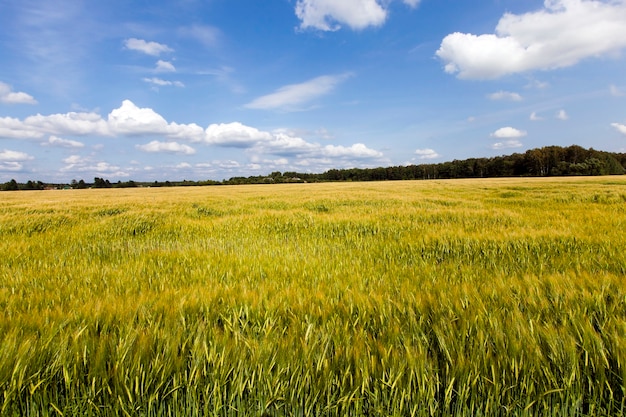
539	162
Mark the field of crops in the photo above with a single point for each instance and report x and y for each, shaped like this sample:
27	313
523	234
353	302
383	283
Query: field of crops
430	298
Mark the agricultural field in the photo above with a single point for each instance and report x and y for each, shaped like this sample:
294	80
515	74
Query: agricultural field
429	298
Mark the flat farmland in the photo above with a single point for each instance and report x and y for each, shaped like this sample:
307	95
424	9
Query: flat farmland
429	298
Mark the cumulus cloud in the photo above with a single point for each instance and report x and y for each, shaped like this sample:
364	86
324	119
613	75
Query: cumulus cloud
505	95
72	123
14	156
535	117
329	15
562	115
169	147
619	127
129	119
426	153
7	95
235	135
292	95
559	35
11	128
280	143
507	144
63	143
356	151
77	163
508	132
12	161
284	144
149	48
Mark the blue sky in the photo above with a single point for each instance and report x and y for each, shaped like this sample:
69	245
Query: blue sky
210	89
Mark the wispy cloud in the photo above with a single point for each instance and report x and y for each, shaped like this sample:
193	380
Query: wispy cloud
164	66
208	36
507	144
163	83
62	143
562	115
616	91
505	95
149	48
290	96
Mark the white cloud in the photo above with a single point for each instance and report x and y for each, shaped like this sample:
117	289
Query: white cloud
505	95
507	144
12	161
7	95
11	128
132	120
73	159
508	132
163	83
71	123
534	117
295	94
14	156
561	34
329	14
169	147
164	66
11	166
235	135
63	143
619	127
562	115
78	164
129	121
285	144
282	144
149	48
356	151
616	91
426	153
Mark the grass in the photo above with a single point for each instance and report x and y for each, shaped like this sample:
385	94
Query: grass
466	297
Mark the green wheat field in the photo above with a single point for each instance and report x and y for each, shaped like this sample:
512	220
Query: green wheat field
431	298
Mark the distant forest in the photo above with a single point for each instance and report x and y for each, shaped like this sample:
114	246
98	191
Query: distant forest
540	162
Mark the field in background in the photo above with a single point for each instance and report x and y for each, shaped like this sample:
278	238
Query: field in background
463	297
